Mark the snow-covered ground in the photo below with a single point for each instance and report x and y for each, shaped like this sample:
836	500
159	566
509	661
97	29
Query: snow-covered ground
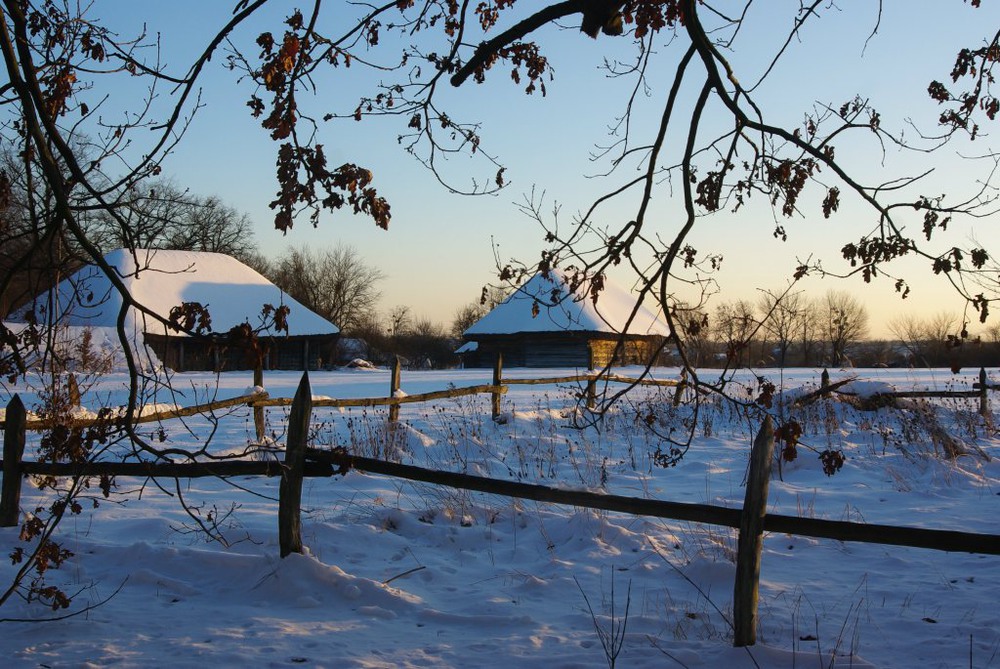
399	574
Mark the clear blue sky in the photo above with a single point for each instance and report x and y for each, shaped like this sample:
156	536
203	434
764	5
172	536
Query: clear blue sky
439	250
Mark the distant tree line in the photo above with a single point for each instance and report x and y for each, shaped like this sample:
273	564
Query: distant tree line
791	330
779	329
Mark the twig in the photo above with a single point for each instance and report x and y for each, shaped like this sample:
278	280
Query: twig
405	573
705	595
611	639
89	607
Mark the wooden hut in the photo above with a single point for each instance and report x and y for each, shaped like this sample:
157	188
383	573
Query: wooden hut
231	292
546	324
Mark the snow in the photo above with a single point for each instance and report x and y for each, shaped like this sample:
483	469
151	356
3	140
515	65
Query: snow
161	280
866	389
400	574
558	309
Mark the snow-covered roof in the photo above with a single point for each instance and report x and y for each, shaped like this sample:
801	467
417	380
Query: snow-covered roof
545	304
232	292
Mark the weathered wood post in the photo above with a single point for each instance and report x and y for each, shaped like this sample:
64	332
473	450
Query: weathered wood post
290	489
679	390
13	451
258	411
751	540
394	383
984	398
497	381
73	390
591	393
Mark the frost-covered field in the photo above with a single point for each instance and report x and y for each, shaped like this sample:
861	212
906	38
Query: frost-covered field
400	574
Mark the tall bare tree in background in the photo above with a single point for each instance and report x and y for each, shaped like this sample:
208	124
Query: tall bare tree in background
928	340
784	315
336	283
160	215
843	321
467	315
735	326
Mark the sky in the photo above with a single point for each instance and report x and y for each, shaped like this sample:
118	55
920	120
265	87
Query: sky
441	247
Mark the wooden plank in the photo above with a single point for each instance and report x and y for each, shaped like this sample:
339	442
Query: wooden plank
751	539
703	513
888	535
903	394
290	489
384	401
180	470
13	451
259	402
322	463
497	384
984	398
182	412
259	424
394	384
944	540
584	378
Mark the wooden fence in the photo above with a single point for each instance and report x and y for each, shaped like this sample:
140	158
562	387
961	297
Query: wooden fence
302	461
980	389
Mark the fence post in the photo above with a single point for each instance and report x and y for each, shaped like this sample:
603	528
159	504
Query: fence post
13	451
497	381
679	390
591	393
393	387
984	398
73	390
290	488
258	411
751	540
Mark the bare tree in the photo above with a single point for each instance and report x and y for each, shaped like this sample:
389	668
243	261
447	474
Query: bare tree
694	333
426	345
160	215
929	341
735	326
811	328
467	315
400	320
844	321
35	251
211	225
783	316
336	283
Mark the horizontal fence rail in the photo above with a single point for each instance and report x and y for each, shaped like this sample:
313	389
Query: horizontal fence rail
262	400
943	540
38	424
320	463
387	401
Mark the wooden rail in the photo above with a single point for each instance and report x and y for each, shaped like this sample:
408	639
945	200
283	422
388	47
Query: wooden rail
386	401
256	399
980	389
260	401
